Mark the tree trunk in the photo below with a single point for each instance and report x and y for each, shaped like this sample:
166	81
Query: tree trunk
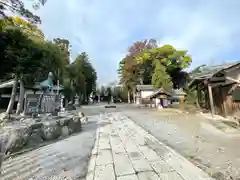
134	96
80	99
129	101
13	95
21	98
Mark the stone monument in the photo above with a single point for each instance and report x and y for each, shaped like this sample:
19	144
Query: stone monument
47	102
76	100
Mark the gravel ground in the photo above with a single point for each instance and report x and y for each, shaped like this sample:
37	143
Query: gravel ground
195	138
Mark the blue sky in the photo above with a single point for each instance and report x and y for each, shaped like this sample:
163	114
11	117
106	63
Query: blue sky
208	29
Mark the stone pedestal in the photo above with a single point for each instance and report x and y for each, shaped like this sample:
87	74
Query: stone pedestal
76	102
62	109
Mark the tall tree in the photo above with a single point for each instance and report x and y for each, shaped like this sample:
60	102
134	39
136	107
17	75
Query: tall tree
160	78
89	74
64	46
26	58
21	53
17	7
28	28
131	72
83	77
174	61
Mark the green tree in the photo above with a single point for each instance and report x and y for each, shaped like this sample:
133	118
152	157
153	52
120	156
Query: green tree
160	78
82	77
26	58
131	72
174	61
64	46
52	61
17	7
29	29
21	54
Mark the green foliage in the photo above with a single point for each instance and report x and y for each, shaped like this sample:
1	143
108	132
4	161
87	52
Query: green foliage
17	7
64	46
25	54
160	78
130	71
173	60
51	61
191	97
168	56
21	54
139	66
82	77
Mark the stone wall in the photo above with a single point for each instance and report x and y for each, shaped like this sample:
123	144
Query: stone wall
32	132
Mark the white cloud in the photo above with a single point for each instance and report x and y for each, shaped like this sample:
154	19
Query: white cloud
209	30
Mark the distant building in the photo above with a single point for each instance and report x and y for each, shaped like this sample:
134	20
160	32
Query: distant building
142	91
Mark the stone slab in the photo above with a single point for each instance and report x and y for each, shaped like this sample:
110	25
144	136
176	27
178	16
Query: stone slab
141	165
104	144
104	157
149	175
104	172
128	177
149	154
122	164
171	175
117	145
161	167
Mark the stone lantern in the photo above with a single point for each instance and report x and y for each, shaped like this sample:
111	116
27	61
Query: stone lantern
180	95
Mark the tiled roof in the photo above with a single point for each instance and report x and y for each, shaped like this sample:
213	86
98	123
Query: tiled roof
209	71
145	87
7	84
157	92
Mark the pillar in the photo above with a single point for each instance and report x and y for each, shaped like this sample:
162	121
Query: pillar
211	98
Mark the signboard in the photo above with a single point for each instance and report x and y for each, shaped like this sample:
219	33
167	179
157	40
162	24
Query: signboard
31	104
32	107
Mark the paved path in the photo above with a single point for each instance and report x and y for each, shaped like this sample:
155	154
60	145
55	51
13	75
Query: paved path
124	151
64	160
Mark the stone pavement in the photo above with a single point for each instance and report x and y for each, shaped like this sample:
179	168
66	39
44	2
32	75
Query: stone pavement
125	151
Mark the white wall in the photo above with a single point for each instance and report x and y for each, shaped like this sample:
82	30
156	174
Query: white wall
146	93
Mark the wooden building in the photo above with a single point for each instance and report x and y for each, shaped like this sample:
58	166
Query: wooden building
160	98
218	88
142	91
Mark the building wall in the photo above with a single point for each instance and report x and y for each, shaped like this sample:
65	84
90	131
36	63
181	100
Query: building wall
231	106
146	93
223	101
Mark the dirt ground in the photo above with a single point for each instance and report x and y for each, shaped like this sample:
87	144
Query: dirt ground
201	140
